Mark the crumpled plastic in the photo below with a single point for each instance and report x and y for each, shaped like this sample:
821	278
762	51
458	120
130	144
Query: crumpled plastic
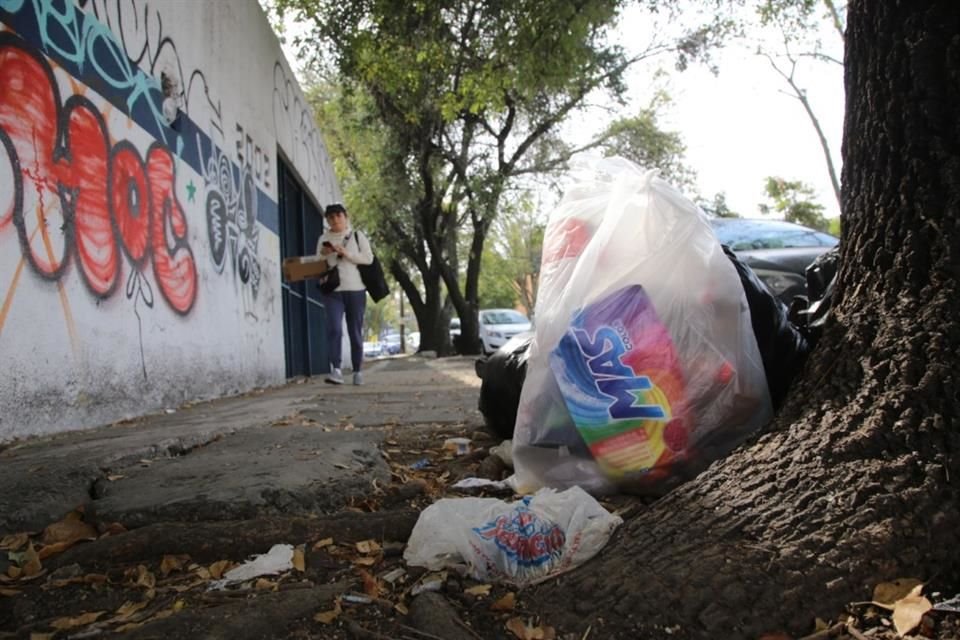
277	560
518	543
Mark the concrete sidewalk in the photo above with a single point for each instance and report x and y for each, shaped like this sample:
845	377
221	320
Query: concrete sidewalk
305	447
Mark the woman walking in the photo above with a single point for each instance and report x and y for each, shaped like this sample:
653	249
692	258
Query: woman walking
344	248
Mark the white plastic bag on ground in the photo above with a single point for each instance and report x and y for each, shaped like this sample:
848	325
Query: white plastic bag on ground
519	543
644	366
277	560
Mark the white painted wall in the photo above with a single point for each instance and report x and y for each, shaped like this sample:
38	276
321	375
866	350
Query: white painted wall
89	332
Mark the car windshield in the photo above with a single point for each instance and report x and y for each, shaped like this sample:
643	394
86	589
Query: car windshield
503	316
744	235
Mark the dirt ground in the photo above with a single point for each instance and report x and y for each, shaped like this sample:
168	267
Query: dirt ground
68	582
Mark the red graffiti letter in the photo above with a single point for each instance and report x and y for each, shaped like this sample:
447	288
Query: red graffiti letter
173	264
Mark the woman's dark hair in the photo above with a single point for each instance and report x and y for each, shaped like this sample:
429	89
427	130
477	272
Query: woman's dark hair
336	207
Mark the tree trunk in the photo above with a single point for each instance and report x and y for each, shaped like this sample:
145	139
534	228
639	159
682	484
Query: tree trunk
856	482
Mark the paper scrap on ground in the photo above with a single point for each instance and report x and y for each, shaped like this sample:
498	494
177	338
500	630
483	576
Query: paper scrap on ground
277	560
476	483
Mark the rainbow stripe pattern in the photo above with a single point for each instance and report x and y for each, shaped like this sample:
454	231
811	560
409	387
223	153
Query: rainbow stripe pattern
622	383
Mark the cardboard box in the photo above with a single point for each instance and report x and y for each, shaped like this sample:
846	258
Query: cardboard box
302	268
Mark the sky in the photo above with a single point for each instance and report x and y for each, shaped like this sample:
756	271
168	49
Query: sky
740	126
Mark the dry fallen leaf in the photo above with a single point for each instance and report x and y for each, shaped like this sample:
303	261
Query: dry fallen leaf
526	631
14	541
82	620
115	476
370	585
171	563
141	577
886	594
218	568
909	611
112	529
30	562
368	546
320	544
69	530
506	603
366	562
127	610
328	617
299	562
90	578
34	635
401	608
53	549
262	584
9	593
479	590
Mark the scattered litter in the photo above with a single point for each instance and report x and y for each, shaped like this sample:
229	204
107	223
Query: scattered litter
356	598
478	483
170	411
277	560
520	543
459	446
422	463
394	575
504	451
953	604
429	582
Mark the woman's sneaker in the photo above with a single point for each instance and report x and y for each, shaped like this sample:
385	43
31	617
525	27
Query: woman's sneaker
334	377
358	378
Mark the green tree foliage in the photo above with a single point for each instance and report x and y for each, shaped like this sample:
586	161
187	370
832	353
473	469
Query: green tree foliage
380	316
511	261
718	207
467	96
640	139
496	283
794	201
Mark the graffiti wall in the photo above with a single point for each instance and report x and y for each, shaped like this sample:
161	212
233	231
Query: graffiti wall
139	255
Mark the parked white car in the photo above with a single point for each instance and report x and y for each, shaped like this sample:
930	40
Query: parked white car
372	349
499	325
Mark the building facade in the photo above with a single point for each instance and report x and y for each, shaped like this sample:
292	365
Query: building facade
157	161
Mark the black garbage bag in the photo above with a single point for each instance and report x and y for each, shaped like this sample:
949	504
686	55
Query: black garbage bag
783	347
812	311
503	374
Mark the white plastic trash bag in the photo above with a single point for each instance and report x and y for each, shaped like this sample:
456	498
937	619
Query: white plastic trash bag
644	365
519	543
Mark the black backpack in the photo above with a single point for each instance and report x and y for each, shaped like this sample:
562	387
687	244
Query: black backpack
372	276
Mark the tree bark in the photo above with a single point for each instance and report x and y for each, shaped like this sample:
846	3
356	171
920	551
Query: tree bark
856	481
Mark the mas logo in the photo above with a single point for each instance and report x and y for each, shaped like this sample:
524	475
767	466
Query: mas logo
524	537
602	353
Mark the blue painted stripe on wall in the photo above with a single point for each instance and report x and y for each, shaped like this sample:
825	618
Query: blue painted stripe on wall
88	50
